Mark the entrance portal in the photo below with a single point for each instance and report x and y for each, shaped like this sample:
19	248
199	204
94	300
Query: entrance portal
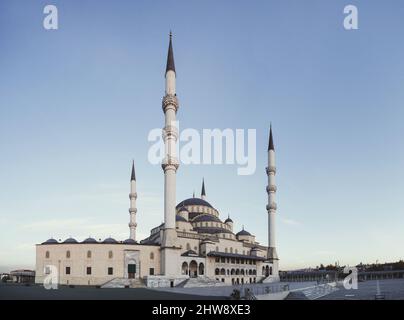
131	271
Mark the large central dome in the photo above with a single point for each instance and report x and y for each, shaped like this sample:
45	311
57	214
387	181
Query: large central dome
194	202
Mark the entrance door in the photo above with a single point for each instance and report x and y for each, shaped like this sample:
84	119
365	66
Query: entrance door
131	271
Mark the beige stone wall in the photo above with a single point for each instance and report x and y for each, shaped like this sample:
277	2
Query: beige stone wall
99	261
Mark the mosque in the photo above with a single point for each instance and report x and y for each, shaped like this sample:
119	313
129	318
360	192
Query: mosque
193	245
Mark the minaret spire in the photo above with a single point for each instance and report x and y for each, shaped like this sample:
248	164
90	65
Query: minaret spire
133	175
203	192
170	56
132	208
271	140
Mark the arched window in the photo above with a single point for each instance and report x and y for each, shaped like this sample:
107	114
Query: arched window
225	250
217	271
47	255
67	254
110	254
88	254
231	249
184	268
217	249
188	246
236	251
151	255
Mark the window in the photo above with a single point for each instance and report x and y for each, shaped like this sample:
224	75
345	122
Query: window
217	249
88	254
67	254
231	250
236	251
225	250
47	255
151	255
188	246
151	271
67	270
110	254
47	270
88	270
110	271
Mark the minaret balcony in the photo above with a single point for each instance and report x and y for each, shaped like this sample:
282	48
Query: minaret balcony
271	188
170	101
272	206
170	131
170	162
133	195
270	169
132	210
132	224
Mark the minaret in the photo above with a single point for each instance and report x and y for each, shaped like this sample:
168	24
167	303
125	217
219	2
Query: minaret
203	192
132	209
169	246
271	206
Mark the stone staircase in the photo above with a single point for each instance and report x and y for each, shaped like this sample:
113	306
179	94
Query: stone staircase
124	283
201	281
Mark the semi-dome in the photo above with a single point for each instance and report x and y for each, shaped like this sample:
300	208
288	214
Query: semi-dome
129	241
50	241
182	208
211	230
90	240
206	217
180	218
194	202
110	240
243	233
189	253
70	240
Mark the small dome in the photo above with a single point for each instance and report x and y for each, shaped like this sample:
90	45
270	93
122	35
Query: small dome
206	217
110	240
50	241
70	240
129	241
228	220
90	240
243	233
180	218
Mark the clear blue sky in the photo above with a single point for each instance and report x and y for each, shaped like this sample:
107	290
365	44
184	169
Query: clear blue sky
76	106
